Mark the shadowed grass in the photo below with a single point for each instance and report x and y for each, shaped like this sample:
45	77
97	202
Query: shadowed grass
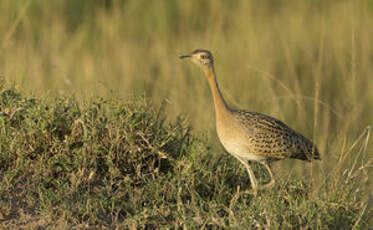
111	164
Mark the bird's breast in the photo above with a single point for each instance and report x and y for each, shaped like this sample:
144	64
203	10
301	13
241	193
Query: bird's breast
235	140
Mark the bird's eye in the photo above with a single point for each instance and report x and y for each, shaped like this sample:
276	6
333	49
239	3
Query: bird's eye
203	56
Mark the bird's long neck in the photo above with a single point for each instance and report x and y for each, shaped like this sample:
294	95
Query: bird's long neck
221	108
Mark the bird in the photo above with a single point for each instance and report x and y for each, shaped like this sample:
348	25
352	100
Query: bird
252	136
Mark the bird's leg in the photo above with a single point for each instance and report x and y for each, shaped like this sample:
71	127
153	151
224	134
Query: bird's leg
272	181
254	182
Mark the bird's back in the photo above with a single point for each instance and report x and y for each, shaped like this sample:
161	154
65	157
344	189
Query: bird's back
270	138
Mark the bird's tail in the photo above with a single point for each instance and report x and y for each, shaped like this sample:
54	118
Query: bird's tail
315	153
306	151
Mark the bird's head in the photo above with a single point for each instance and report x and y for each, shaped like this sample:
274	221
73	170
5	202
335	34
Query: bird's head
202	58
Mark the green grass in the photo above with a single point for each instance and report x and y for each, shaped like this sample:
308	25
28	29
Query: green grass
114	164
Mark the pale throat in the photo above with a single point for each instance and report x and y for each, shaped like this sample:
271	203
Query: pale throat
221	107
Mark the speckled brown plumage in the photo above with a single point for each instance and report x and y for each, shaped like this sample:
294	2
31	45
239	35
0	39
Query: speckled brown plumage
273	139
252	136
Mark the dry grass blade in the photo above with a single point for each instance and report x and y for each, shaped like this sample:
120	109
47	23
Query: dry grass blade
13	27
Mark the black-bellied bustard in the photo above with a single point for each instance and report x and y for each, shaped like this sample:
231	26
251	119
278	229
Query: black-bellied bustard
252	136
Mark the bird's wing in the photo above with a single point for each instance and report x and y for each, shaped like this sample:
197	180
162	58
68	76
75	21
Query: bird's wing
271	138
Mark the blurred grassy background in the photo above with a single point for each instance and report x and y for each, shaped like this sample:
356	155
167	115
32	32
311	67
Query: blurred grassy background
309	63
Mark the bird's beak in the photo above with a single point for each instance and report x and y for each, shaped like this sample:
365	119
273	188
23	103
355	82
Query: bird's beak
185	56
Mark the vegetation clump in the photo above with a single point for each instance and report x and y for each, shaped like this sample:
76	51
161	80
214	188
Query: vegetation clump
111	164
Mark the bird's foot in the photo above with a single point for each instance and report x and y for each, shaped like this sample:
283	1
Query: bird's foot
254	191
268	185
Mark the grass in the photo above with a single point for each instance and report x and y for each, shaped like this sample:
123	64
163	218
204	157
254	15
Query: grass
111	164
308	63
